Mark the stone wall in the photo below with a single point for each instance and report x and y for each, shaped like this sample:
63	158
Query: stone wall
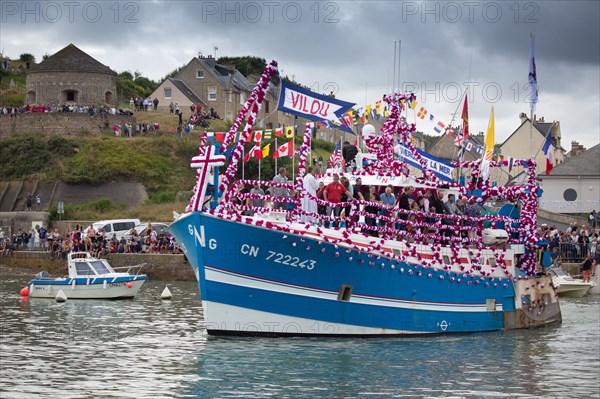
158	267
45	87
61	123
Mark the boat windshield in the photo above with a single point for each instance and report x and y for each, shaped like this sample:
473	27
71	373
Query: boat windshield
100	267
83	269
561	273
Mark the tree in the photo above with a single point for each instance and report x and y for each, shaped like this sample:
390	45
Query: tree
172	74
125	75
247	65
26	57
147	84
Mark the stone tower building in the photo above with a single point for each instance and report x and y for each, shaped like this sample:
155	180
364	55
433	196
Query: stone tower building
71	77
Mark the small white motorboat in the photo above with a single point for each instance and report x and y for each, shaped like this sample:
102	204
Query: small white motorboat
89	278
567	286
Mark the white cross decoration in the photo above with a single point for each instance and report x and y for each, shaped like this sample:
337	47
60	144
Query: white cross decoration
203	161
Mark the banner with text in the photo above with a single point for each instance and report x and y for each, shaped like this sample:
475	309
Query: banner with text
296	100
439	167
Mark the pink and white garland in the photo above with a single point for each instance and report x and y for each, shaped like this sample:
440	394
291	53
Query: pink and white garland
382	146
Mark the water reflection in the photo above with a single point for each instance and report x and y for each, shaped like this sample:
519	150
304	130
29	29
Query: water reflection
151	348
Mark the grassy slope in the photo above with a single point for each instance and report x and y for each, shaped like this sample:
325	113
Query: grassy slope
160	162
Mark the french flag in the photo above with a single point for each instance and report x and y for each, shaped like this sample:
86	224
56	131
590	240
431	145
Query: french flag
547	149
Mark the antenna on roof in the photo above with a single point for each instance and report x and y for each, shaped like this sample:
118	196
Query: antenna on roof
216	49
199	54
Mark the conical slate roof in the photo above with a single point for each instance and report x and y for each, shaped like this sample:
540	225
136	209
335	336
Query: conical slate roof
71	59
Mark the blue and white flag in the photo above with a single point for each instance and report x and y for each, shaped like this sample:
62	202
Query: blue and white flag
313	106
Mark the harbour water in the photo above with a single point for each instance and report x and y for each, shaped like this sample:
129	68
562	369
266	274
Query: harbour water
149	348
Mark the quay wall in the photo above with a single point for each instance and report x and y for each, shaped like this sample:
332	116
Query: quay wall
61	123
158	266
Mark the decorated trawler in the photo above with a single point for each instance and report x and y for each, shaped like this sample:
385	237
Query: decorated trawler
278	273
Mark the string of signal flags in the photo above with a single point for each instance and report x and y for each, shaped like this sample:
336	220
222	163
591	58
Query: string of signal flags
353	117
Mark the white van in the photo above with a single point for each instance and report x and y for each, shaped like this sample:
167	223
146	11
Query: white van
120	227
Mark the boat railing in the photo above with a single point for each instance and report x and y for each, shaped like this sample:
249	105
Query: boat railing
391	221
133	270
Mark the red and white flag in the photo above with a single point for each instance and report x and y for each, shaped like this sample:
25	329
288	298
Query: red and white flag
286	150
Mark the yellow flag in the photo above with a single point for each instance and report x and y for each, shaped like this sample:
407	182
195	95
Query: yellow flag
413	104
489	139
289	132
266	150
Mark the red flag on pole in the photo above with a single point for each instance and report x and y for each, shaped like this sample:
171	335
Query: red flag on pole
465	118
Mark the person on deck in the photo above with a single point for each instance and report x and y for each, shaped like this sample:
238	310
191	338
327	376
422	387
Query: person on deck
280	178
333	193
404	202
309	205
389	199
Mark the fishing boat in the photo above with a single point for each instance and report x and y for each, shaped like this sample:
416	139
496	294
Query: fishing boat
89	278
567	286
272	274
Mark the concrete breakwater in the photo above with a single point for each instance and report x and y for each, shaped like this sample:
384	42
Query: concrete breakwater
158	266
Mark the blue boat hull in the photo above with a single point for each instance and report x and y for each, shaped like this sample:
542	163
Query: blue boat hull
260	281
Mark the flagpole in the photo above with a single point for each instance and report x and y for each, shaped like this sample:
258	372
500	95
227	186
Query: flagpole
276	148
533	86
394	70
399	55
243	164
293	167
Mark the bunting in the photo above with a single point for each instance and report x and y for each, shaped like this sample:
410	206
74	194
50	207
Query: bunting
289	132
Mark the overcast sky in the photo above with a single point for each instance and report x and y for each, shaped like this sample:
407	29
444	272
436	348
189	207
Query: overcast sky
348	47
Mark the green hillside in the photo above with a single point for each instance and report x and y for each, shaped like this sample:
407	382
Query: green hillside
161	163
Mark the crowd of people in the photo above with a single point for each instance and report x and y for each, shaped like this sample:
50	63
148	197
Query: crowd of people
138	129
92	110
576	244
98	243
383	202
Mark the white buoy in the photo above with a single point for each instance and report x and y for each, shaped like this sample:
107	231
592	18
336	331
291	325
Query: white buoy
60	297
166	294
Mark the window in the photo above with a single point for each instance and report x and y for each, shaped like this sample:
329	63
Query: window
83	269
212	93
230	97
69	95
167	93
266	107
570	194
100	267
242	99
107	228
345	293
122	226
199	74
